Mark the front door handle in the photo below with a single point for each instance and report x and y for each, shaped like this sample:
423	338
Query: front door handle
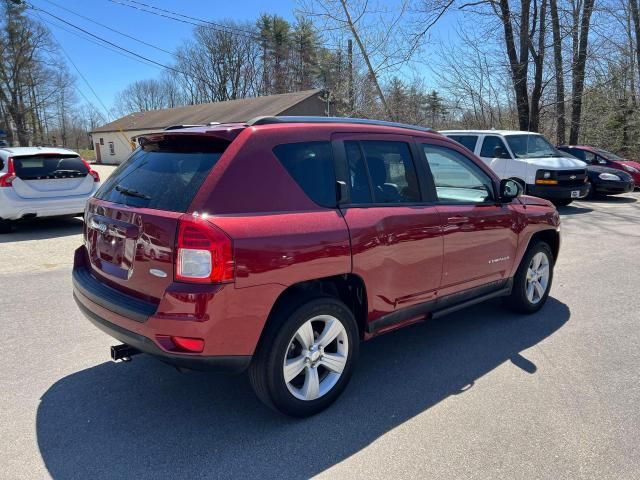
457	220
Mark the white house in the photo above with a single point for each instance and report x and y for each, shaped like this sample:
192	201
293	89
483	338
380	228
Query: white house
115	141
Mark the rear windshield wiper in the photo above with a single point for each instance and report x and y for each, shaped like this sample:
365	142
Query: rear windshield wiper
132	193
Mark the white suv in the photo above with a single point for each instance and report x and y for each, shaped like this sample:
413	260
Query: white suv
530	159
43	182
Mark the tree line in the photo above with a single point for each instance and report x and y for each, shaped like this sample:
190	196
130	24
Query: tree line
567	68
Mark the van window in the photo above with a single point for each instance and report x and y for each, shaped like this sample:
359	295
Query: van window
456	178
531	146
391	173
311	166
489	145
164	175
468	141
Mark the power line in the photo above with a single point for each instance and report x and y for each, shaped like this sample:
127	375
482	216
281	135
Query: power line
107	41
153	10
110	28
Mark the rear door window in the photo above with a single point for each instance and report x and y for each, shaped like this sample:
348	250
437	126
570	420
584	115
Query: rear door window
468	141
163	175
40	167
311	166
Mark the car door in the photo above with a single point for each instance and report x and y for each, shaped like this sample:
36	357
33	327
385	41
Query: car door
480	235
394	226
495	154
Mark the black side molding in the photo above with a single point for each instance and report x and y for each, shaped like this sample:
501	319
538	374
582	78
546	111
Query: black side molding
445	305
110	298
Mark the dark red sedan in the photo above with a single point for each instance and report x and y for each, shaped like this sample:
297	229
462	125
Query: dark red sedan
596	156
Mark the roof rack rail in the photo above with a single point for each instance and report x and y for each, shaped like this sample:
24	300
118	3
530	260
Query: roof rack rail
363	121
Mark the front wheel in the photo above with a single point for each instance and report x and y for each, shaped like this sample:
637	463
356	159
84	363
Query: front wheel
562	202
306	357
532	281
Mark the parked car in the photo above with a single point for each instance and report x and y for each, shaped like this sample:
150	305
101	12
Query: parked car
597	156
43	182
529	159
605	180
294	238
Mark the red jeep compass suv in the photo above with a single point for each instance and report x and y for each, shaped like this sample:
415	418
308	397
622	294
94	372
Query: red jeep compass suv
283	242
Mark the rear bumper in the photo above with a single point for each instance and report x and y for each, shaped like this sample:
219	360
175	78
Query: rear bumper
229	363
229	320
13	207
557	192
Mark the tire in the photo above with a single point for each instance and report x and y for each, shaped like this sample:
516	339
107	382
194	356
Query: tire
520	299
562	202
592	192
288	332
5	226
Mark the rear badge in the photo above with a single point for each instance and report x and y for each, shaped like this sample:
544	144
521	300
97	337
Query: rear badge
157	273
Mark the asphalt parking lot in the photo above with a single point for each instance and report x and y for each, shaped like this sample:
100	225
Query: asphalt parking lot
482	393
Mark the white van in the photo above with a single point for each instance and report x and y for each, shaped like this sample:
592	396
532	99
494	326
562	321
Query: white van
530	159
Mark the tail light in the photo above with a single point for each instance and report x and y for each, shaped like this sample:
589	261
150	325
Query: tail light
7	179
92	172
204	253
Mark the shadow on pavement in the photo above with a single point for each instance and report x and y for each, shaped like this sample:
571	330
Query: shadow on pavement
574	210
43	228
612	199
146	420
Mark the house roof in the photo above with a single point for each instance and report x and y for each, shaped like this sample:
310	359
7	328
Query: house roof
240	110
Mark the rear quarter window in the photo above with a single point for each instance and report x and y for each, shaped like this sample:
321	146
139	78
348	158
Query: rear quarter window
310	164
163	175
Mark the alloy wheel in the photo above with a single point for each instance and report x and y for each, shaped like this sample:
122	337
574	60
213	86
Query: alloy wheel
316	357
538	275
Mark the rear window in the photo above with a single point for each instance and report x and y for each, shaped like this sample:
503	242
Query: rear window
311	166
37	167
468	141
164	175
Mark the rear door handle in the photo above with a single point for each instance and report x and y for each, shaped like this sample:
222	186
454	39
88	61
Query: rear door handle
457	220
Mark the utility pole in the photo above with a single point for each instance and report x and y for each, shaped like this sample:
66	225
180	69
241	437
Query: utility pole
350	73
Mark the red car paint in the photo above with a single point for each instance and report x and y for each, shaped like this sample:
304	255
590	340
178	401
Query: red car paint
607	159
405	255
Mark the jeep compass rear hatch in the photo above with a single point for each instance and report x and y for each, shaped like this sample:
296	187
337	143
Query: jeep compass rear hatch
132	223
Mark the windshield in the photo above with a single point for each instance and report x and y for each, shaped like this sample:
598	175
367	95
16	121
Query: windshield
608	155
531	146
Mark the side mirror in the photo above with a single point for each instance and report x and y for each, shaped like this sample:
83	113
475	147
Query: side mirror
499	152
509	189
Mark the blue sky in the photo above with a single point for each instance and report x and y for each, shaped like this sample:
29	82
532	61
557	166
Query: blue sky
108	72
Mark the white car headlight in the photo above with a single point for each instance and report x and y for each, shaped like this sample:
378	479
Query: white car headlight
609	176
630	169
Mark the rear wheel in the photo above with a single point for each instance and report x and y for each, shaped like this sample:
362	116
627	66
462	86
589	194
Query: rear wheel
532	281
5	226
306	357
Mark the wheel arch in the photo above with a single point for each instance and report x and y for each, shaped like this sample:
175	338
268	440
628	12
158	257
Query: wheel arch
551	237
349	288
